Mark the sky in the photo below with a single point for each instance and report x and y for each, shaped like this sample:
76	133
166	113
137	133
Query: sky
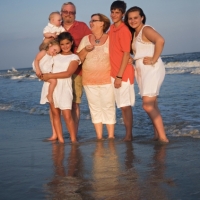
22	23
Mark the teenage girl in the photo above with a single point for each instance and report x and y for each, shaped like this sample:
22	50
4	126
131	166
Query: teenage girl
65	64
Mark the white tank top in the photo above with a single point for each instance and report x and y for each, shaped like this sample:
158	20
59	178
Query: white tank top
140	48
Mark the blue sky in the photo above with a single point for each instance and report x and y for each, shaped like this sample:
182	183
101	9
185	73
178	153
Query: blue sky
22	23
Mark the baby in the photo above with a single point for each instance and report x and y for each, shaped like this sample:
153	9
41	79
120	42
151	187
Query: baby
52	30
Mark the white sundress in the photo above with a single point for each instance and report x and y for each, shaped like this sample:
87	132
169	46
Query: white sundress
149	77
45	64
62	95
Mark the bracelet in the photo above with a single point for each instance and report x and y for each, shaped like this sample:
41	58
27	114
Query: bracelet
120	77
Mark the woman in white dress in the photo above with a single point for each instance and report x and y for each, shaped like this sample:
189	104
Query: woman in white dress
147	46
64	65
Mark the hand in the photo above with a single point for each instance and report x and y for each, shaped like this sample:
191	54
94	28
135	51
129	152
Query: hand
117	82
38	73
89	48
130	60
45	77
148	61
54	35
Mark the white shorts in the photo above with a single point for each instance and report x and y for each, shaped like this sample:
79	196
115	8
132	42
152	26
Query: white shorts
125	95
101	102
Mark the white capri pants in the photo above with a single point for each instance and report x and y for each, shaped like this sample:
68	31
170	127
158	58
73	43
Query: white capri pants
101	103
125	95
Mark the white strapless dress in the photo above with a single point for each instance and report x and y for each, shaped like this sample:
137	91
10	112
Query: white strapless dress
149	77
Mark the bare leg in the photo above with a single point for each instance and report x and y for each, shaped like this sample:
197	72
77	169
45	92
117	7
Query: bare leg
149	105
56	113
128	122
99	130
111	130
52	85
70	124
54	135
76	115
156	136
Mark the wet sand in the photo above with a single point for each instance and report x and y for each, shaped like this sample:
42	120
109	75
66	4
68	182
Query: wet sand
113	170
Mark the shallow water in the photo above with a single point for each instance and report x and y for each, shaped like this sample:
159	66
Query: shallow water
33	169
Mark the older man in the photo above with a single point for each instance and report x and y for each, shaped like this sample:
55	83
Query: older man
78	30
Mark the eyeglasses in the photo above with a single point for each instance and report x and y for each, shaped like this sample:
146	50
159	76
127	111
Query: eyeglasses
94	20
68	12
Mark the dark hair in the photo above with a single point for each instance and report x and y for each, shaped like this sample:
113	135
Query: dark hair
141	13
121	5
64	36
104	19
134	9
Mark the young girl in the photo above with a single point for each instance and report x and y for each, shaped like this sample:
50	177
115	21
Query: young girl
147	46
65	64
43	63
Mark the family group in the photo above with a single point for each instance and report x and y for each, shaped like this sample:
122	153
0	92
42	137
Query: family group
99	59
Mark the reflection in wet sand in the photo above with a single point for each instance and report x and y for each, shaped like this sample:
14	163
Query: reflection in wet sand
130	186
65	183
155	184
106	170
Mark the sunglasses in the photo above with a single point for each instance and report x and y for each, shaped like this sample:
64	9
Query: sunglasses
68	12
94	20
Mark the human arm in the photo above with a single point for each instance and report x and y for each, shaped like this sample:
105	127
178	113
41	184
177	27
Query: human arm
149	34
38	57
84	47
66	74
50	35
83	53
118	78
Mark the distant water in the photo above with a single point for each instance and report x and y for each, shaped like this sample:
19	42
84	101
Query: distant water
179	99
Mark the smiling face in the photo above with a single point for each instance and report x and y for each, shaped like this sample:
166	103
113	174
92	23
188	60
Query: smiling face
95	23
116	16
135	19
53	49
68	14
66	46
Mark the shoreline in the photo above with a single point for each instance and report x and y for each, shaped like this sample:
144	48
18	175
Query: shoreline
111	169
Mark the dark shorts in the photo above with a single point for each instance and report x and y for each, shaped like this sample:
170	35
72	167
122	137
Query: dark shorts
77	88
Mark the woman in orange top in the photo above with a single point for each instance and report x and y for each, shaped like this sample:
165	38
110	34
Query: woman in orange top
94	53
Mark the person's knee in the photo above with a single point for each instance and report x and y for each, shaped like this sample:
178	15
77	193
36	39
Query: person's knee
67	117
147	107
126	109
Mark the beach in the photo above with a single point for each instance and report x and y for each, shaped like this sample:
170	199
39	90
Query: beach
143	169
34	169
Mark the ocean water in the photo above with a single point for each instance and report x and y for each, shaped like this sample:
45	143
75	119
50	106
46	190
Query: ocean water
179	99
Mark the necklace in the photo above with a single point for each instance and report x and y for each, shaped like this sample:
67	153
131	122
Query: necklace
97	41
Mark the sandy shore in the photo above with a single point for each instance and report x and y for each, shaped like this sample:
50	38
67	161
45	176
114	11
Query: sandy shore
113	170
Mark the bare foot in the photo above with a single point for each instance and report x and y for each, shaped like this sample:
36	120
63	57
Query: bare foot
51	139
128	139
100	139
74	142
111	138
155	138
164	141
50	98
61	141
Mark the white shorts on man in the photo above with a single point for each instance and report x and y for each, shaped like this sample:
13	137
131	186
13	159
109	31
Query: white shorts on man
125	95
